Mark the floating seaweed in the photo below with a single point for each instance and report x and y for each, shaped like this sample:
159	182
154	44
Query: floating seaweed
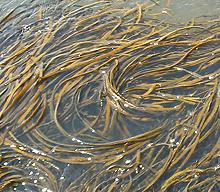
96	97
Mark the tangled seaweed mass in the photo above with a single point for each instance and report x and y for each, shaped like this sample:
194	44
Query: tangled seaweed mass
98	97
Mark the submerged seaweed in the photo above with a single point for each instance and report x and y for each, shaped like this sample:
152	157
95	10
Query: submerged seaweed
95	97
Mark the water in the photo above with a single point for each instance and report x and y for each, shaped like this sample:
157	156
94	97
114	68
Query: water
109	95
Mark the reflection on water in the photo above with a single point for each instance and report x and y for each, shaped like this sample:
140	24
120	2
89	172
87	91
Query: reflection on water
109	96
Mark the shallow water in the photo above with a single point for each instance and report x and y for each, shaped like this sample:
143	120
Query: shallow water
109	95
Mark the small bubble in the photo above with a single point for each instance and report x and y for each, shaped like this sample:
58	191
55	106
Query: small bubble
121	170
142	167
126	105
13	146
196	132
211	77
116	180
164	12
35	181
172	140
217	167
150	144
44	190
190	113
31	173
21	148
23	183
89	158
185	129
35	151
41	178
128	161
62	177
